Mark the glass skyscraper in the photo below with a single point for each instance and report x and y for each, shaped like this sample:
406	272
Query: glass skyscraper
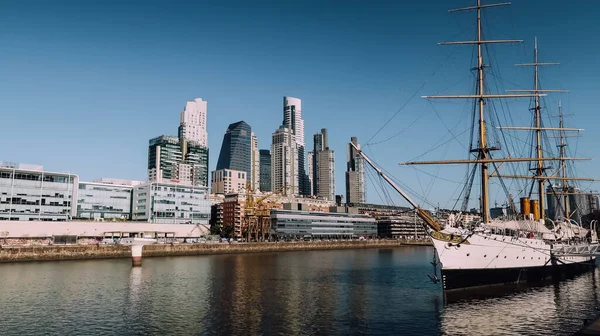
265	170
236	150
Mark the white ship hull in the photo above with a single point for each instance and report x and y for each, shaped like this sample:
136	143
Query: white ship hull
485	258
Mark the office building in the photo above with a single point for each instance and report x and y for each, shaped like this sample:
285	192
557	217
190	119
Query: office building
177	160
105	201
284	162
254	164
323	167
192	122
182	159
404	226
304	224
28	193
233	210
355	175
292	119
311	159
236	150
265	170
578	203
227	181
171	203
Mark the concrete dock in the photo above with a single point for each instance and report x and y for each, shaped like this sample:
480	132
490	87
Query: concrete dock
101	251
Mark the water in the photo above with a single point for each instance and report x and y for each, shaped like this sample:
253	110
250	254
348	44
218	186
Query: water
347	292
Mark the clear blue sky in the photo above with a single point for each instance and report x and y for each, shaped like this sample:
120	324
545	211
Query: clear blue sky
85	84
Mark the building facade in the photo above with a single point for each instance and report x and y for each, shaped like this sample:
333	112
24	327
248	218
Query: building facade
28	193
236	150
233	211
302	224
172	159
182	159
311	168
265	170
192	122
323	167
227	181
578	203
405	226
254	164
292	119
171	203
104	201
284	162
355	175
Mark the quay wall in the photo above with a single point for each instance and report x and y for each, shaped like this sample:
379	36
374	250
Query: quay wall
84	252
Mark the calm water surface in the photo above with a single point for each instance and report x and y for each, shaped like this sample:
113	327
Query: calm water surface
349	292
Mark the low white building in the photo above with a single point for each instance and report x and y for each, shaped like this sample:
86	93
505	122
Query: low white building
29	193
105	199
172	203
228	181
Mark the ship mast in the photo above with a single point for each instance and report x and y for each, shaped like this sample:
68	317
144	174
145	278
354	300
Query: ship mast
563	163
483	157
537	110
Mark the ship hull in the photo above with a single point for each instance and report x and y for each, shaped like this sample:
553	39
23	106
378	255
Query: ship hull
455	279
482	259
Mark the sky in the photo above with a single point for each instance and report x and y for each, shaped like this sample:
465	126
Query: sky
87	84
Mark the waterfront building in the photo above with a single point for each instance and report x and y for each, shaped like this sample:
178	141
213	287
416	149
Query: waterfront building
28	193
355	175
236	150
579	203
192	122
105	201
301	224
265	170
292	119
323	167
170	202
227	181
254	164
121	182
284	162
403	226
233	213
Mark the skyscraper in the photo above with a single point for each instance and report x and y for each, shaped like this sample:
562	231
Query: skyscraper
323	167
254	163
236	150
292	119
265	170
311	160
192	122
172	160
355	175
284	162
184	158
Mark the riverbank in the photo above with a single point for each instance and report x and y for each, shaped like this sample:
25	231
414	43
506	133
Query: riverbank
84	252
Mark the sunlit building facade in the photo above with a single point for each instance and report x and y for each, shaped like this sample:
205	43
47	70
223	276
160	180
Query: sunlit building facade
28	193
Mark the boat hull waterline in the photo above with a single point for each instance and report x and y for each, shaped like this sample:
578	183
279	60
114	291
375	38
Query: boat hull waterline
491	259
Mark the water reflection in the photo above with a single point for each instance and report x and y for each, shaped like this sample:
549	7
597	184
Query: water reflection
554	309
352	292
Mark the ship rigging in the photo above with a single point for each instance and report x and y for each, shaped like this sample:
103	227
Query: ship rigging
508	250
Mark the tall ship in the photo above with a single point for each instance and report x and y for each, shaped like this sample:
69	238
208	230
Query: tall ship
525	245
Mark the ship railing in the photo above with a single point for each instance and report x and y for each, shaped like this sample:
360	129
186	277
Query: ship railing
578	250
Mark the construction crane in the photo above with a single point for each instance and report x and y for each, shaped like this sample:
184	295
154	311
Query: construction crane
257	215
